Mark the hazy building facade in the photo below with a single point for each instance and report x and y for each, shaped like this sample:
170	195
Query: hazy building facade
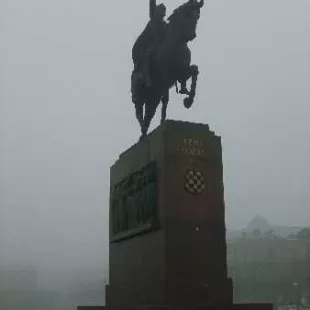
266	267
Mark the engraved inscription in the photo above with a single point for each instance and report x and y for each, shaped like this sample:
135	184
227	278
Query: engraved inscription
192	146
133	204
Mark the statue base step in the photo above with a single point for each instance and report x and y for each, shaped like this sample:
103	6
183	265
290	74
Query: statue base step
247	306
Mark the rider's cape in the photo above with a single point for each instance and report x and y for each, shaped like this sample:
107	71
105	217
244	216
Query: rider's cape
154	32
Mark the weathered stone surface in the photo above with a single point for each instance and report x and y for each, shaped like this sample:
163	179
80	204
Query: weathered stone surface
174	253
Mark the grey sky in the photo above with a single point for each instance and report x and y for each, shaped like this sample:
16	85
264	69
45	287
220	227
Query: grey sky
64	90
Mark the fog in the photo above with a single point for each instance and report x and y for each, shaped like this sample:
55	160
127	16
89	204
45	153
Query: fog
66	114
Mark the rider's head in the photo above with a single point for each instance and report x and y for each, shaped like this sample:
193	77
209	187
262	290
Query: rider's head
160	11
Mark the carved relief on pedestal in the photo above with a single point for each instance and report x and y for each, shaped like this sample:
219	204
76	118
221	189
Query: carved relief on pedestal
134	204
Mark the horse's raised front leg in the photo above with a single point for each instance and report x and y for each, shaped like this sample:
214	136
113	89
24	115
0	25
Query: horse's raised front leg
164	100
193	73
183	89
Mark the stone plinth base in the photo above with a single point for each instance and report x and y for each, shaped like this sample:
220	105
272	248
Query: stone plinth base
247	306
167	224
91	308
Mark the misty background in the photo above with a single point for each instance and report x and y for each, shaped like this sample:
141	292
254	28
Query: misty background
66	114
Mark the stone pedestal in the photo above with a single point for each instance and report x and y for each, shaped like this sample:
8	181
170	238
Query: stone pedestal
167	221
90	308
167	224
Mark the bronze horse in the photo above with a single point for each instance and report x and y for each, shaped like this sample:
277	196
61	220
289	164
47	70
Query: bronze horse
170	64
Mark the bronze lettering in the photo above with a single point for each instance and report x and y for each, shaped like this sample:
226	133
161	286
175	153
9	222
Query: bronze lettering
191	146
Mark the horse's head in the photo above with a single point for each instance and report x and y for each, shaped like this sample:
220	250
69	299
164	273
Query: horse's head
183	20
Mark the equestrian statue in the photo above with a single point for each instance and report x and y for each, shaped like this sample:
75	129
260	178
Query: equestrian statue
162	60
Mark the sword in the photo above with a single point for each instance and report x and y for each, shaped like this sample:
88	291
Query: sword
152	8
